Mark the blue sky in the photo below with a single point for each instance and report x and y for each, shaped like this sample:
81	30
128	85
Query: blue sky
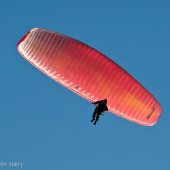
45	126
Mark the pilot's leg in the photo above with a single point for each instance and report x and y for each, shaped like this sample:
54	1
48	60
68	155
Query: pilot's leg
97	118
94	115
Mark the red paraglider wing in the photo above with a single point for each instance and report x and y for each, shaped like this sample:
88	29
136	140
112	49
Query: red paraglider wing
90	74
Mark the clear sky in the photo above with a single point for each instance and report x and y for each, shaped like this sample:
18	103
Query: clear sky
45	126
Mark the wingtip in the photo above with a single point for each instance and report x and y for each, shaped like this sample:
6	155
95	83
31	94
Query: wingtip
23	38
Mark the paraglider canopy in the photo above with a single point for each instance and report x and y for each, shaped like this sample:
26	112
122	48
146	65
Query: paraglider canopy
89	74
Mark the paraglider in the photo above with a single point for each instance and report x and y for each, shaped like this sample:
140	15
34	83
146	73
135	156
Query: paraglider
99	110
89	74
